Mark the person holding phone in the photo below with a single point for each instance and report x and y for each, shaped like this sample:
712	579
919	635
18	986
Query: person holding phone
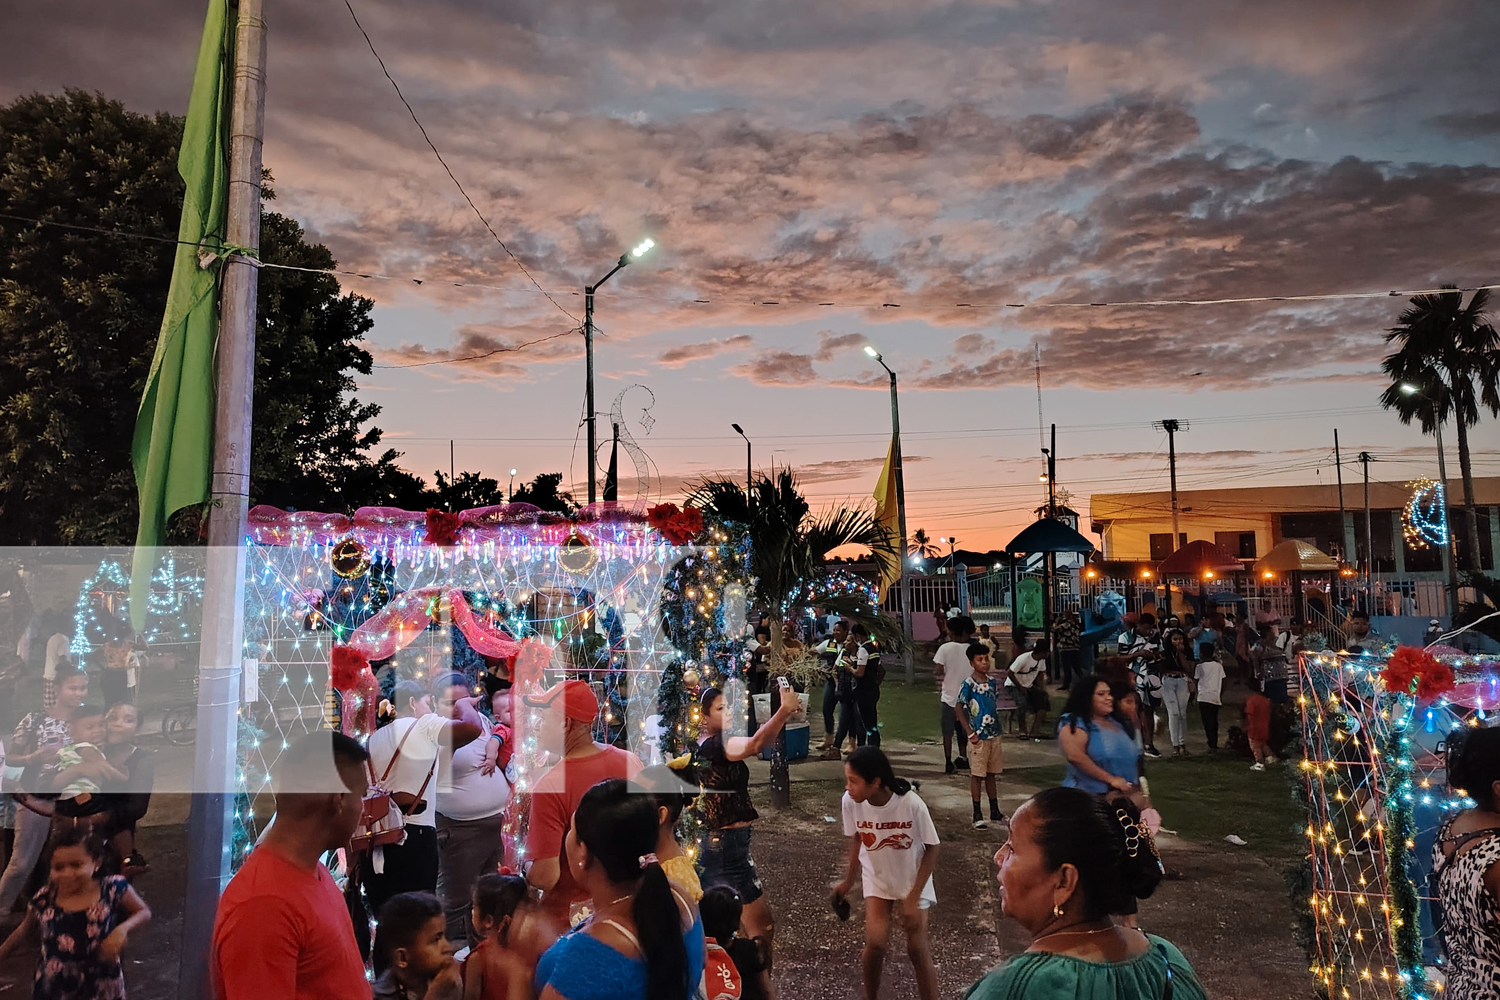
727	812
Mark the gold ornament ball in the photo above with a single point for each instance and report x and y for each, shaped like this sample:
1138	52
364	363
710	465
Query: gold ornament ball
691	678
350	559
577	554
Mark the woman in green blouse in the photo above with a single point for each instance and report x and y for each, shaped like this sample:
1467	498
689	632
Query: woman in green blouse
1072	860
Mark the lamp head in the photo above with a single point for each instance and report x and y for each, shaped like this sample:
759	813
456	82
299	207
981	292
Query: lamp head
870	350
512	472
642	248
1407	389
737	428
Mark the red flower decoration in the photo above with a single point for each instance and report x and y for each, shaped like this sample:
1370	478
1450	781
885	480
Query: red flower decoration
348	667
677	525
442	527
1436	681
1403	668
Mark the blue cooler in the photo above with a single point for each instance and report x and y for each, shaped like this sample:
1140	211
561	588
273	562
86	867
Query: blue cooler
798	742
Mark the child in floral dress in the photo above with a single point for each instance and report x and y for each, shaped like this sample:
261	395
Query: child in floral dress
83	923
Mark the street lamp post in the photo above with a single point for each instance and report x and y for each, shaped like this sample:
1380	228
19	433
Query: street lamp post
749	464
640	250
512	482
1450	564
911	670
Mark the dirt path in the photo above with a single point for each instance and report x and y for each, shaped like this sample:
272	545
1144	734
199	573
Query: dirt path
1229	913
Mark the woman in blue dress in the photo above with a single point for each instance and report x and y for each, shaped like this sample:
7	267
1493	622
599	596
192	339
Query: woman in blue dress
1097	741
644	939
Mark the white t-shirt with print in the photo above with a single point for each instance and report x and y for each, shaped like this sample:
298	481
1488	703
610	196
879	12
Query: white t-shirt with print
418	756
1210	678
1025	669
892	840
953	657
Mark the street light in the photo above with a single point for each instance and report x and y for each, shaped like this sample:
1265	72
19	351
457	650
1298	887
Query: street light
636	253
911	670
749	465
512	482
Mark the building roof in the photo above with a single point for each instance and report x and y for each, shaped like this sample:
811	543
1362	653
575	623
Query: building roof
1276	499
1048	535
1296	556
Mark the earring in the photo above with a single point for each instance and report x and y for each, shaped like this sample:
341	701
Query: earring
1057	910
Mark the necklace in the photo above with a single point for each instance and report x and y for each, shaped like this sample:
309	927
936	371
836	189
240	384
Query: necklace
1098	930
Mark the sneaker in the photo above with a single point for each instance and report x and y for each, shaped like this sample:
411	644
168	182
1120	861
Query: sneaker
1257	766
980	824
961	762
996	816
949	768
832	753
1152	752
1273	760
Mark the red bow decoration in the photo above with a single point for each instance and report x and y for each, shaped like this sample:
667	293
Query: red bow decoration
347	668
677	525
1410	666
442	526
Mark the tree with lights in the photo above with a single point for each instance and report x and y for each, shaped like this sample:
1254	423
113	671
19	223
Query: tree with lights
788	560
1450	353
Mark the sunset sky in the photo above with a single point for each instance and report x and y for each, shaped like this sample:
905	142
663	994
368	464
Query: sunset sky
945	158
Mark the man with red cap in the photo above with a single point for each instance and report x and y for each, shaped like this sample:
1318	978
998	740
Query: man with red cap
569	710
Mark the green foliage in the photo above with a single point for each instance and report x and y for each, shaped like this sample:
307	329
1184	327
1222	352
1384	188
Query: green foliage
466	491
79	316
545	492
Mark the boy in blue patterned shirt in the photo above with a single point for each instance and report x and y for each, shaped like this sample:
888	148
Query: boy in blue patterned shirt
980	720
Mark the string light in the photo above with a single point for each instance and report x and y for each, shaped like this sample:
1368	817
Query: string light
1424	519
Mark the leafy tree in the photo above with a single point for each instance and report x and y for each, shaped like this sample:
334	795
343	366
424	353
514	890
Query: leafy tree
467	491
1450	354
545	492
79	315
788	556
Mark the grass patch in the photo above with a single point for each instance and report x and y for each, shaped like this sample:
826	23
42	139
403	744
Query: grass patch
906	713
1207	798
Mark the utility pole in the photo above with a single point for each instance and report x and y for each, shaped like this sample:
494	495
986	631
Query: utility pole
1049	559
1365	458
1450	562
210	822
588	394
906	657
1338	465
1171	427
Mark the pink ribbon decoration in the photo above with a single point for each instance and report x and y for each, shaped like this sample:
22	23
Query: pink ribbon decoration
1476	694
518	522
397	624
274	526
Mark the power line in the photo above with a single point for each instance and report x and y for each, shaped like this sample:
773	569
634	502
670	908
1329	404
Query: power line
486	354
456	182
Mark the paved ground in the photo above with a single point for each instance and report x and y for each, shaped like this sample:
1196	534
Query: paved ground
1230	914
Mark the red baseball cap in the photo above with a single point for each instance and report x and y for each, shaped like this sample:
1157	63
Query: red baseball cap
578	701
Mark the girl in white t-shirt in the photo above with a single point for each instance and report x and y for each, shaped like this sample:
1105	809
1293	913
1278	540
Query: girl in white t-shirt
893	847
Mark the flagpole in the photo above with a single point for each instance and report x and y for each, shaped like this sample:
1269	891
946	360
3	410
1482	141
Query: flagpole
211	821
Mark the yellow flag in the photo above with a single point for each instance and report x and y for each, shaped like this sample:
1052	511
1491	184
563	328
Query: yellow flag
887	514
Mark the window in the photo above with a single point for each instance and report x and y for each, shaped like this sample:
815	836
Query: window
1240	544
1161	545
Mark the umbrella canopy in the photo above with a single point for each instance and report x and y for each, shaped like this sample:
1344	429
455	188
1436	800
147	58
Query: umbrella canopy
1294	556
1197	558
1048	535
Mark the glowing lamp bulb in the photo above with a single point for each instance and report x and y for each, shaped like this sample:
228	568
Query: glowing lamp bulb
870	350
642	248
1145	574
1268	574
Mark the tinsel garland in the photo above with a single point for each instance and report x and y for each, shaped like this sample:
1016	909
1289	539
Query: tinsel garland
1400	843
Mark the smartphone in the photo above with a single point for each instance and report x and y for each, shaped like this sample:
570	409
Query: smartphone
785	684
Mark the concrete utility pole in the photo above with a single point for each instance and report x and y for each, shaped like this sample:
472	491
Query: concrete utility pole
210	823
1365	458
1171	427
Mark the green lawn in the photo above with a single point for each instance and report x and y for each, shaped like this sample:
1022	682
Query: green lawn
1202	797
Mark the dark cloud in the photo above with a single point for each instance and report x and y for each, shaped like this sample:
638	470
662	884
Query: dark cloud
1469	124
784	368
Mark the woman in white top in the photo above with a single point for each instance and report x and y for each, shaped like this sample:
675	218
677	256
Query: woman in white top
472	793
404	759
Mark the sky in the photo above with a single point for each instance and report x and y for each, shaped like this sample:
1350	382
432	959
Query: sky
824	174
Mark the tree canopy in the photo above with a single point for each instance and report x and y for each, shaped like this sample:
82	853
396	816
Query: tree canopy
80	311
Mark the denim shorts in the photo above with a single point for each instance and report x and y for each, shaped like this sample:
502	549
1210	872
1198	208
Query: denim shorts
727	861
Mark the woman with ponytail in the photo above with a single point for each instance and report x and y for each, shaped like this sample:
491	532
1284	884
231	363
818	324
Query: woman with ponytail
644	940
893	847
1072	860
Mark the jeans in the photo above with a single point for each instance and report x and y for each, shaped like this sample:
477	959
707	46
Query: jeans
830	699
467	849
849	718
1210	714
1174	695
1069	666
31	839
727	861
869	700
409	867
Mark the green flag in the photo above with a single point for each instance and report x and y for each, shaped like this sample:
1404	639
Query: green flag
173	444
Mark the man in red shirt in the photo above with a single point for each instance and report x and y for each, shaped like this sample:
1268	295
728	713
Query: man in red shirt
283	929
570	709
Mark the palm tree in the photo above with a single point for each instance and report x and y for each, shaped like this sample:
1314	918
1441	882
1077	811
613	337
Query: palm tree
922	546
789	546
1450	353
